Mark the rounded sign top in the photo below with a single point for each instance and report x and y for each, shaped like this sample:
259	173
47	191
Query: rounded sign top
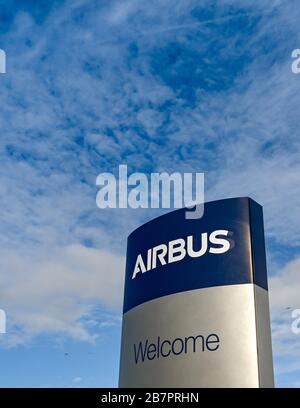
172	254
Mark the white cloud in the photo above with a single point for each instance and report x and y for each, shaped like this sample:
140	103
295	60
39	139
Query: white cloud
284	289
120	11
57	292
285	286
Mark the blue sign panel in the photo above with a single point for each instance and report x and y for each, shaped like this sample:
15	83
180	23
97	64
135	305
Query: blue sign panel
172	254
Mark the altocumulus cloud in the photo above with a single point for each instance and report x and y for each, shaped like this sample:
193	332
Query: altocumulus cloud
192	86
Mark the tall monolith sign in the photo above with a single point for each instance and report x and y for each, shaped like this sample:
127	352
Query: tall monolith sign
196	308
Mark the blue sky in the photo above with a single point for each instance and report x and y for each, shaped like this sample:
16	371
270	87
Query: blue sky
189	86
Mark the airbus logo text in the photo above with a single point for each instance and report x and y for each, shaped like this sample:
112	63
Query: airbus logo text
217	242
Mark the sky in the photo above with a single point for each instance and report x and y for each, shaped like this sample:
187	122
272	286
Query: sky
189	86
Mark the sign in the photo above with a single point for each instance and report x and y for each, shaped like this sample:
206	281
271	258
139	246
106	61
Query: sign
196	308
